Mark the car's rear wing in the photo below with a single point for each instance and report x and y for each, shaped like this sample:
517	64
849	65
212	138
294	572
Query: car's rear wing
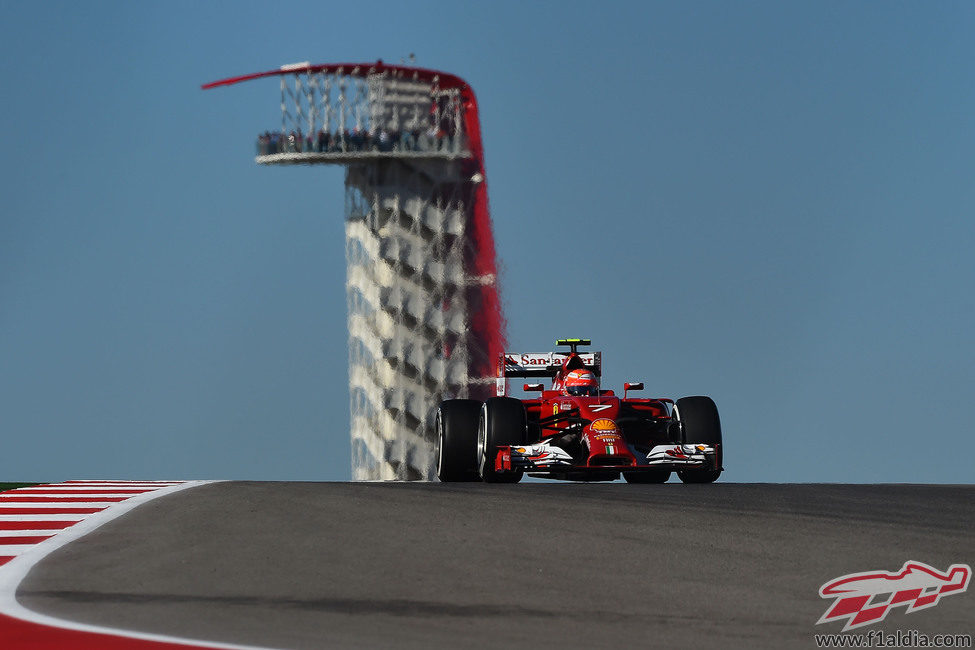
540	364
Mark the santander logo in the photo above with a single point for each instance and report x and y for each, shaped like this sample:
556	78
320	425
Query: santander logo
866	598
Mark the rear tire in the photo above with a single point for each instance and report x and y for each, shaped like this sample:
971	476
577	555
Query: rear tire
647	476
700	424
456	440
502	422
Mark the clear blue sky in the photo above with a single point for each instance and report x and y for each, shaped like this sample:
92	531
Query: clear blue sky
769	203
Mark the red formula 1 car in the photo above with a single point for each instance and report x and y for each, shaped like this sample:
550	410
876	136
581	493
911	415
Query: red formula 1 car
575	431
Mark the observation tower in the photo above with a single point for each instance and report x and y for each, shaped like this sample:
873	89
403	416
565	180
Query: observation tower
425	318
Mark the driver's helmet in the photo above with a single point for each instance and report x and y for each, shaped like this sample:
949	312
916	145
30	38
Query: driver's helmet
580	382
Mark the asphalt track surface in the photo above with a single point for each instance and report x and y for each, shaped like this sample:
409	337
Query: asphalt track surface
409	565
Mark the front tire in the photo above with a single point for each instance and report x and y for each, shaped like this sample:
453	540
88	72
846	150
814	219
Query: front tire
700	424
456	439
503	422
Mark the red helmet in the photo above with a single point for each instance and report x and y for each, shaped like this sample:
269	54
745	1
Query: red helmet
580	382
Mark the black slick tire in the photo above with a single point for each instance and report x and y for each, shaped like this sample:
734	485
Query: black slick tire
502	422
455	440
700	424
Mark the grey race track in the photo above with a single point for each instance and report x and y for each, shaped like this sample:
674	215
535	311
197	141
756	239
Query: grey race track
408	565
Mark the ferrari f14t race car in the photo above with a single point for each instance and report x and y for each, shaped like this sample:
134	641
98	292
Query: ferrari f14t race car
575	431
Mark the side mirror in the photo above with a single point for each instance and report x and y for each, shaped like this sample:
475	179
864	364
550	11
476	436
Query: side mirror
628	386
534	387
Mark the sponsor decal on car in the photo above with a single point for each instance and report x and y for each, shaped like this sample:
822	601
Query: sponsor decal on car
866	598
604	424
543	360
600	407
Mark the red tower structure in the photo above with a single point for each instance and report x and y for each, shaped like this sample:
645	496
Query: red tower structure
425	319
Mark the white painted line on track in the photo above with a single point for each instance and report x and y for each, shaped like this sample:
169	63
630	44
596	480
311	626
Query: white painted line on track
30	532
90	486
83	502
15	549
124	481
13	572
101	485
9	505
50	517
86	495
86	489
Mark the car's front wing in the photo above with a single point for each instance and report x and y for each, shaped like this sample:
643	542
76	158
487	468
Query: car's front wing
545	457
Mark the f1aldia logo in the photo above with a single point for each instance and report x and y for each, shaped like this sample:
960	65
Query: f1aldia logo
865	598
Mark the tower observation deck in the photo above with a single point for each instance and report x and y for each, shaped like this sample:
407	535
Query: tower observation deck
424	313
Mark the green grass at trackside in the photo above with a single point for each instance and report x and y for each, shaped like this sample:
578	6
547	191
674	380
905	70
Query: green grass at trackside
11	486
